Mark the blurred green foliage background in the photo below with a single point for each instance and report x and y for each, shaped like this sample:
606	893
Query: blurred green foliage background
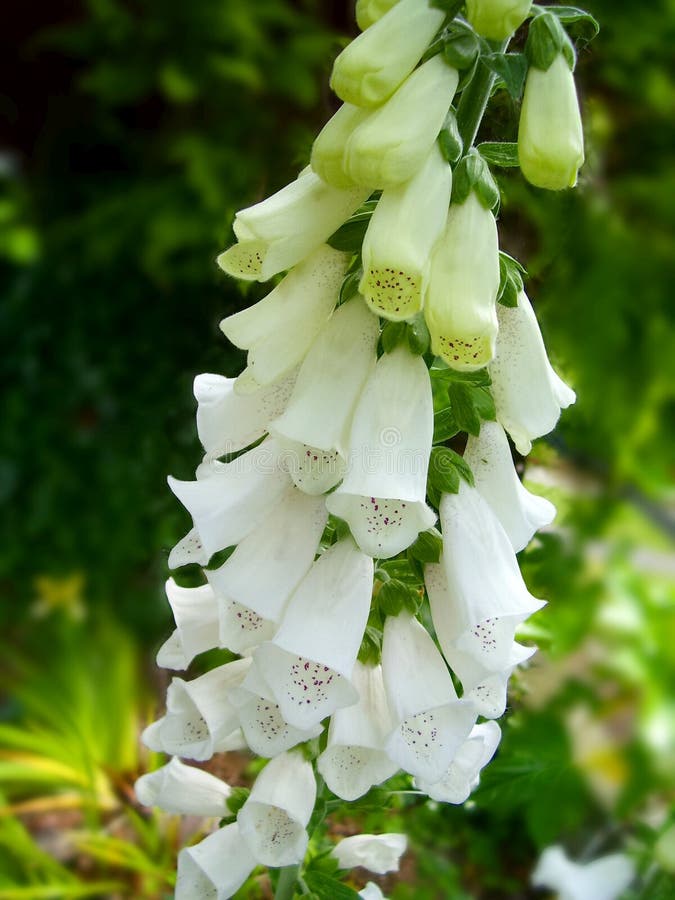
131	132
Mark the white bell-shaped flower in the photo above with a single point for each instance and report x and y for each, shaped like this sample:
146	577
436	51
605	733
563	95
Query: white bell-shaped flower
266	731
383	495
431	723
369	11
328	151
331	379
486	597
393	142
200	719
354	759
253	586
379	853
274	818
229	421
463	774
372	891
460	306
497	19
312	470
215	868
309	664
186	790
606	878
528	393
520	512
195	611
276	234
279	329
377	62
188	551
487	690
227	505
404	229
550	132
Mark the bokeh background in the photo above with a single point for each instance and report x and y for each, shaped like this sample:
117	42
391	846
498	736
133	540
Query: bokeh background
131	131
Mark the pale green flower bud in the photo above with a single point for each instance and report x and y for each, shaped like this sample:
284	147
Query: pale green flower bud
393	142
369	70
550	134
460	308
369	11
497	19
402	233
328	152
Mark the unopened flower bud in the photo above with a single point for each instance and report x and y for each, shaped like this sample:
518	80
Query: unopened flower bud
369	11
497	19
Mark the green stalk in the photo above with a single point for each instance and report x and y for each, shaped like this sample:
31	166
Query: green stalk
288	878
474	100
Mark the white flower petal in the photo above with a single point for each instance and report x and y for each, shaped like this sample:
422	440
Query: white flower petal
195	611
216	868
372	891
313	471
463	774
603	879
177	788
379	853
188	551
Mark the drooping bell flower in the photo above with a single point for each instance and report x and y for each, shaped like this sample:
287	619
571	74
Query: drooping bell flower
383	495
186	790
379	853
309	663
369	11
354	759
606	878
328	151
497	19
279	232
331	379
402	233
486	597
550	132
274	819
463	774
393	142
520	512
377	62
200	720
253	586
195	611
229	421
460	306
528	393
215	868
228	504
279	329
431	724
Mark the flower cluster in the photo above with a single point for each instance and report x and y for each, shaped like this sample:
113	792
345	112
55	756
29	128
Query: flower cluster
326	471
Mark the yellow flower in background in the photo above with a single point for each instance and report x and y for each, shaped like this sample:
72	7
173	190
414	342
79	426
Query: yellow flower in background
59	594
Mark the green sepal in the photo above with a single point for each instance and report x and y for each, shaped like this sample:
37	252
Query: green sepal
419	338
463	407
499	154
510	280
394	596
445	425
397	570
350	285
511	68
445	470
587	26
310	749
460	47
237	798
546	40
450	140
392	335
370	651
428	546
349	236
473	174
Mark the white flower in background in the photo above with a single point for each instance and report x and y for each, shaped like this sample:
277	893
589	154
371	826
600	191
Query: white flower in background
383	495
274	818
200	720
497	19
328	151
276	234
405	226
354	759
603	879
369	11
228	421
460	307
528	393
330	380
377	62
195	611
550	133
228	504
266	731
392	143
520	512
379	853
253	586
309	664
372	891
177	788
215	868
279	329
463	774
486	597
430	722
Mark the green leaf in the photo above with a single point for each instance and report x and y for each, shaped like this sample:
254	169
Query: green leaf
350	286
463	407
450	140
510	279
419	338
484	403
328	888
460	47
502	154
511	68
445	425
370	651
588	26
428	546
449	7
349	236
445	469
392	335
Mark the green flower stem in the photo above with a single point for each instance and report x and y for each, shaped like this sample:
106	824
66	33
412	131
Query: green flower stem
288	878
474	100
